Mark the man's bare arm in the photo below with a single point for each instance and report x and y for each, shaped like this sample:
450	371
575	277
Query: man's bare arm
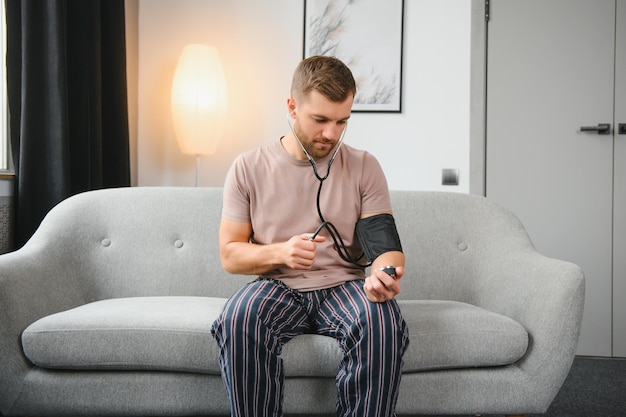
240	256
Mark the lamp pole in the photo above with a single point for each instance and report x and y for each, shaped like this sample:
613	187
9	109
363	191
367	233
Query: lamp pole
197	167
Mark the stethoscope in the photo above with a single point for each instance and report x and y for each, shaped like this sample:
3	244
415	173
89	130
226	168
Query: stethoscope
332	230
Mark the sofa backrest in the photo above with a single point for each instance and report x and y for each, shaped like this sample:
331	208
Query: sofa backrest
141	241
145	241
453	243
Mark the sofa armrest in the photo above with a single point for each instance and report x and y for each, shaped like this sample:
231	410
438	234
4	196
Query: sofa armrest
33	283
546	296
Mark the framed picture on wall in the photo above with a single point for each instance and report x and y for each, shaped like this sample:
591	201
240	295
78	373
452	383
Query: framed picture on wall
367	36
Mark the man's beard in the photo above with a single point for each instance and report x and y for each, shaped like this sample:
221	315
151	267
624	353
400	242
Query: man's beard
315	153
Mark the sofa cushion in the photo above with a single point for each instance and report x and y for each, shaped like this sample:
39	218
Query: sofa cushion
147	333
173	334
450	334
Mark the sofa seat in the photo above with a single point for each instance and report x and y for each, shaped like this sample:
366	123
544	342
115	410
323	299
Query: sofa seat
172	333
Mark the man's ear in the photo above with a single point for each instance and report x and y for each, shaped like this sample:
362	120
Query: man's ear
291	107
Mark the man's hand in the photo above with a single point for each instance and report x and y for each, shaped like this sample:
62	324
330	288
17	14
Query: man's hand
380	287
299	251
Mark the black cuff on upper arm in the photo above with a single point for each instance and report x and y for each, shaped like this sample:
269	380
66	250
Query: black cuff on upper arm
378	234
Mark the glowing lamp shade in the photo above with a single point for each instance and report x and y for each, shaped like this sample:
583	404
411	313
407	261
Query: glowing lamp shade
198	100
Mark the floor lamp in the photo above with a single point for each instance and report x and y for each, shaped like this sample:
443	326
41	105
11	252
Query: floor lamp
198	101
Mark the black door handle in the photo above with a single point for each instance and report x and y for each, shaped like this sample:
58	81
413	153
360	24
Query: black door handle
621	129
601	129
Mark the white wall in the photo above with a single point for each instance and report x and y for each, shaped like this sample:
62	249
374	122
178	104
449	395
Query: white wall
260	44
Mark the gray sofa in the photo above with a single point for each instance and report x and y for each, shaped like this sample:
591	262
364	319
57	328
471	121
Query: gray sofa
106	311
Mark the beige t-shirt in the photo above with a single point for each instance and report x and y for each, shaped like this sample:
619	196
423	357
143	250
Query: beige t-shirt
277	194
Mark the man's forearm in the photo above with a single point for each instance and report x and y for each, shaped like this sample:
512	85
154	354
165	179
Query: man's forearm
249	258
393	258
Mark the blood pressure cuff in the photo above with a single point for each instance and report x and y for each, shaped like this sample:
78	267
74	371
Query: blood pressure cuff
377	235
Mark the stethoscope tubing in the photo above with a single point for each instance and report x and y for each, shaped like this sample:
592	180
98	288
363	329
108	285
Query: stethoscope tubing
332	230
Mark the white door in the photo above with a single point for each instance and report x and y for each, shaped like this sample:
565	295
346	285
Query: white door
619	227
550	71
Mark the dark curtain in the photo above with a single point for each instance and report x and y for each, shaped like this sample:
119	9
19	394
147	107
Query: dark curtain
66	82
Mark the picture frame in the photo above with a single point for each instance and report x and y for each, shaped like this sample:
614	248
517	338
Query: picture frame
367	35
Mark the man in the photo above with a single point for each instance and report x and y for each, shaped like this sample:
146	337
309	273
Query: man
310	280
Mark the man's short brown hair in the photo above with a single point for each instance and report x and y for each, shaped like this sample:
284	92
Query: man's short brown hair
327	75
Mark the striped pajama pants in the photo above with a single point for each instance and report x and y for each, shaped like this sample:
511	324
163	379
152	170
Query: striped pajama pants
265	314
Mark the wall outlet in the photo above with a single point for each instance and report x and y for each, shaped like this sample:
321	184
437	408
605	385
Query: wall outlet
449	176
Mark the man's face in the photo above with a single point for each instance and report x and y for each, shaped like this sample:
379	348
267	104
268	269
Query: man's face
319	122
